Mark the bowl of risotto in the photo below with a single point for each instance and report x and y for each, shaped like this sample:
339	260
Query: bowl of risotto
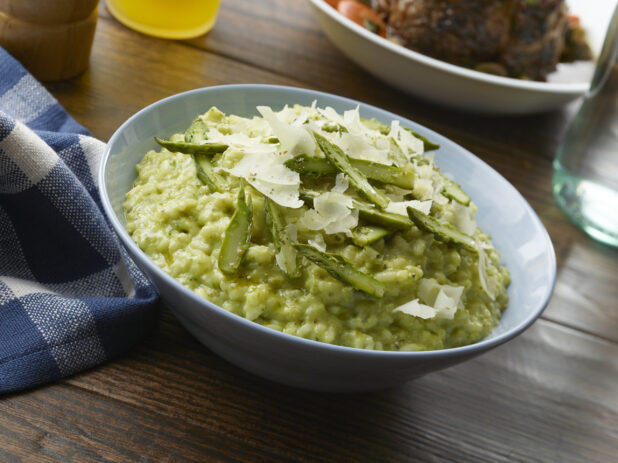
321	242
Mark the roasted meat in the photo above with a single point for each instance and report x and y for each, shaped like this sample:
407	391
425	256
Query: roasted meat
519	38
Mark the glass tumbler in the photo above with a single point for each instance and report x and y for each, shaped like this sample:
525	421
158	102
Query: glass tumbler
586	165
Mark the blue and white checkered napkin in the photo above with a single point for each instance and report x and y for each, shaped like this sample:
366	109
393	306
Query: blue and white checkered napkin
70	297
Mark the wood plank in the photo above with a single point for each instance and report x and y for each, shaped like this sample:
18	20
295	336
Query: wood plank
586	293
550	395
61	423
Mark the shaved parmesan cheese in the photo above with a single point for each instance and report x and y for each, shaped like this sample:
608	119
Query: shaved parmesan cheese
416	309
330	114
464	218
332	213
487	282
440	301
318	242
357	146
341	183
294	140
406	141
424	171
352	121
400	207
447	301
267	174
423	189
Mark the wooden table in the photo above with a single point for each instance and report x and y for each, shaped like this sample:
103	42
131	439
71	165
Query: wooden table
551	395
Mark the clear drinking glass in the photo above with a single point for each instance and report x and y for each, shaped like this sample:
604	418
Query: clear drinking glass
586	165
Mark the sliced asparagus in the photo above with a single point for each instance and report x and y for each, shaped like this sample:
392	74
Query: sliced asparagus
192	148
441	231
453	191
387	219
196	133
281	240
357	179
206	172
365	235
343	270
315	167
237	235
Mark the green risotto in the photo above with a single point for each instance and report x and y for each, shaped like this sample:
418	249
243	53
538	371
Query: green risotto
322	225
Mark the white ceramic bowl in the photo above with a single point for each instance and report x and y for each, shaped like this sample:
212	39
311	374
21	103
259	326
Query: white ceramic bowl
455	86
516	230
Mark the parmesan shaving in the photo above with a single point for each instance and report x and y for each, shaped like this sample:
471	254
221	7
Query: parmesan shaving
440	301
400	207
294	140
463	218
341	183
332	213
267	174
487	282
416	309
318	242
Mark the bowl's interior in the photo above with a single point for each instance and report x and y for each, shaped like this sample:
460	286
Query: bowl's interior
515	229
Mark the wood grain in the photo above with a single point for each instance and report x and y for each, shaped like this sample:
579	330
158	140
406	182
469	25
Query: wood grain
551	395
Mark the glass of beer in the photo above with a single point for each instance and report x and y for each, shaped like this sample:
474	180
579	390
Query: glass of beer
170	19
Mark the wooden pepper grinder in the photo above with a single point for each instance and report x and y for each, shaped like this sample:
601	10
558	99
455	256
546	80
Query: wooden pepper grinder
51	38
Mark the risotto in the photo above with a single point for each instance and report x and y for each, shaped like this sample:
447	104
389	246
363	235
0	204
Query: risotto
322	225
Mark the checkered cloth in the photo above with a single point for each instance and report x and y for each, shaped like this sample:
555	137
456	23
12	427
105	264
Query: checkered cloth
70	297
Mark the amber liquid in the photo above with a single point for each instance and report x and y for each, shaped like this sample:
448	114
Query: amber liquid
172	19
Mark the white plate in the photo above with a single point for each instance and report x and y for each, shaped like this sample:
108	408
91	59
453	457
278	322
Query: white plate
459	87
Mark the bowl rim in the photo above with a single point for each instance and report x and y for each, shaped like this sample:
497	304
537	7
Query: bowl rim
467	350
569	88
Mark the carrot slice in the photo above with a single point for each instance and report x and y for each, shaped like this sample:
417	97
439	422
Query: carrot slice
362	15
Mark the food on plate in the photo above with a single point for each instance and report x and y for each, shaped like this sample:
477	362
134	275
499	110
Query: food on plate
322	225
515	38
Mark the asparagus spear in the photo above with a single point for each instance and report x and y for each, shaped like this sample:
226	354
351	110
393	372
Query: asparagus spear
453	191
357	179
192	148
237	235
196	133
365	235
441	231
206	172
281	240
343	270
313	166
385	130
386	219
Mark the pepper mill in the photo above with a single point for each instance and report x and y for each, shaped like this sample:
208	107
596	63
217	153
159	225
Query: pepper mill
51	38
